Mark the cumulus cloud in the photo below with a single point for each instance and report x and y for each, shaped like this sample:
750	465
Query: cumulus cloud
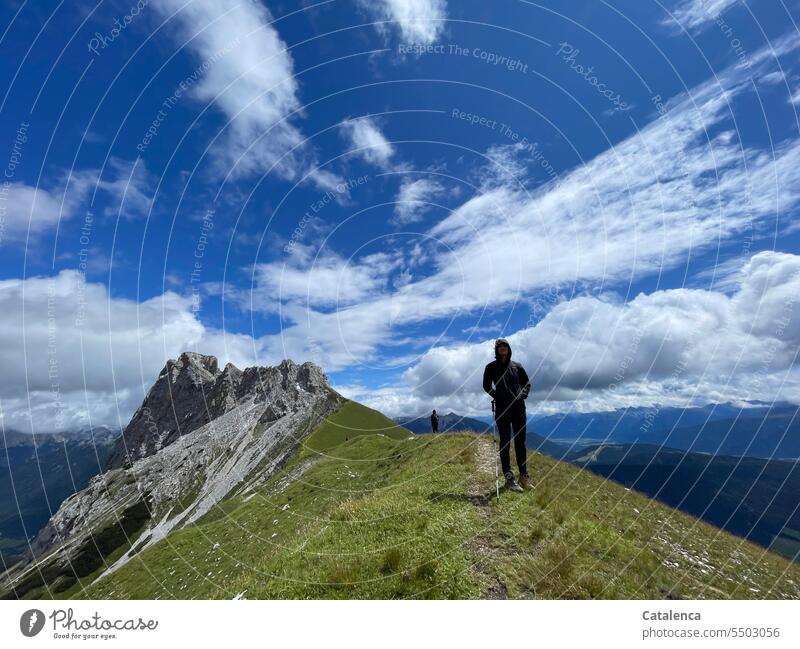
367	141
72	353
674	346
418	21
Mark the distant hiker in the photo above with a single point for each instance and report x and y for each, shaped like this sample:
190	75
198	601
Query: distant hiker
507	383
435	422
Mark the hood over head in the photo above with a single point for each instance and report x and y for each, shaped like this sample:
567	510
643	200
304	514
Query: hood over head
502	341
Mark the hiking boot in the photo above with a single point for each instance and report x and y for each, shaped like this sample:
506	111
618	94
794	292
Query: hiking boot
526	482
511	484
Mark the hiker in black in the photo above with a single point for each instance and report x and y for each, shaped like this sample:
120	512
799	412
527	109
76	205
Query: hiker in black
435	422
507	383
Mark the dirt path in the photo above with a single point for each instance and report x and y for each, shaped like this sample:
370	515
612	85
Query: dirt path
482	489
481	493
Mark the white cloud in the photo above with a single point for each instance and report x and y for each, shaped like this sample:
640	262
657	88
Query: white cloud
70	351
130	185
505	165
773	78
414	198
320	282
674	346
127	188
698	14
419	21
641	207
34	208
250	78
637	208
368	141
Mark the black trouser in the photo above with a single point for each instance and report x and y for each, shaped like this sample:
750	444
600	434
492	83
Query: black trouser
508	417
435	428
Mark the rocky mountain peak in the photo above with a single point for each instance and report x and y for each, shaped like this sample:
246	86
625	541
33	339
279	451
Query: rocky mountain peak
201	434
197	368
192	391
231	370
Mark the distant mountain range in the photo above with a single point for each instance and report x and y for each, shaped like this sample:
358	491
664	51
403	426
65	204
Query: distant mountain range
37	472
770	432
452	422
449	422
764	431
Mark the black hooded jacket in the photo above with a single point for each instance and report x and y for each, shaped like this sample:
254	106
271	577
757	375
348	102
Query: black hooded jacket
506	383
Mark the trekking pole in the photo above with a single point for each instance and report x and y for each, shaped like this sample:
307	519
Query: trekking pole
496	451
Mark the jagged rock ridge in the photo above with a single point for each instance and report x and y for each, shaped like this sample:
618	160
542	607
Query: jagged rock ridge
200	435
192	391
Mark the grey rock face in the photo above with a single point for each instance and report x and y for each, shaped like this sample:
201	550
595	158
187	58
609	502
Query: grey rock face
201	435
192	391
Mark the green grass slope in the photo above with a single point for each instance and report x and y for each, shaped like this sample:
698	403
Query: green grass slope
367	511
350	421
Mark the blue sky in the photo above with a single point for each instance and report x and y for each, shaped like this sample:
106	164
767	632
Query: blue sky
384	187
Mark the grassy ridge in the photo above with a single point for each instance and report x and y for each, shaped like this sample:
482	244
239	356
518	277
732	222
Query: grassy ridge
352	420
388	516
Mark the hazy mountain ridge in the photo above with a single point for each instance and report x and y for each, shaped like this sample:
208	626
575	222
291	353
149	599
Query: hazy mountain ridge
37	472
453	422
767	431
98	434
448	422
